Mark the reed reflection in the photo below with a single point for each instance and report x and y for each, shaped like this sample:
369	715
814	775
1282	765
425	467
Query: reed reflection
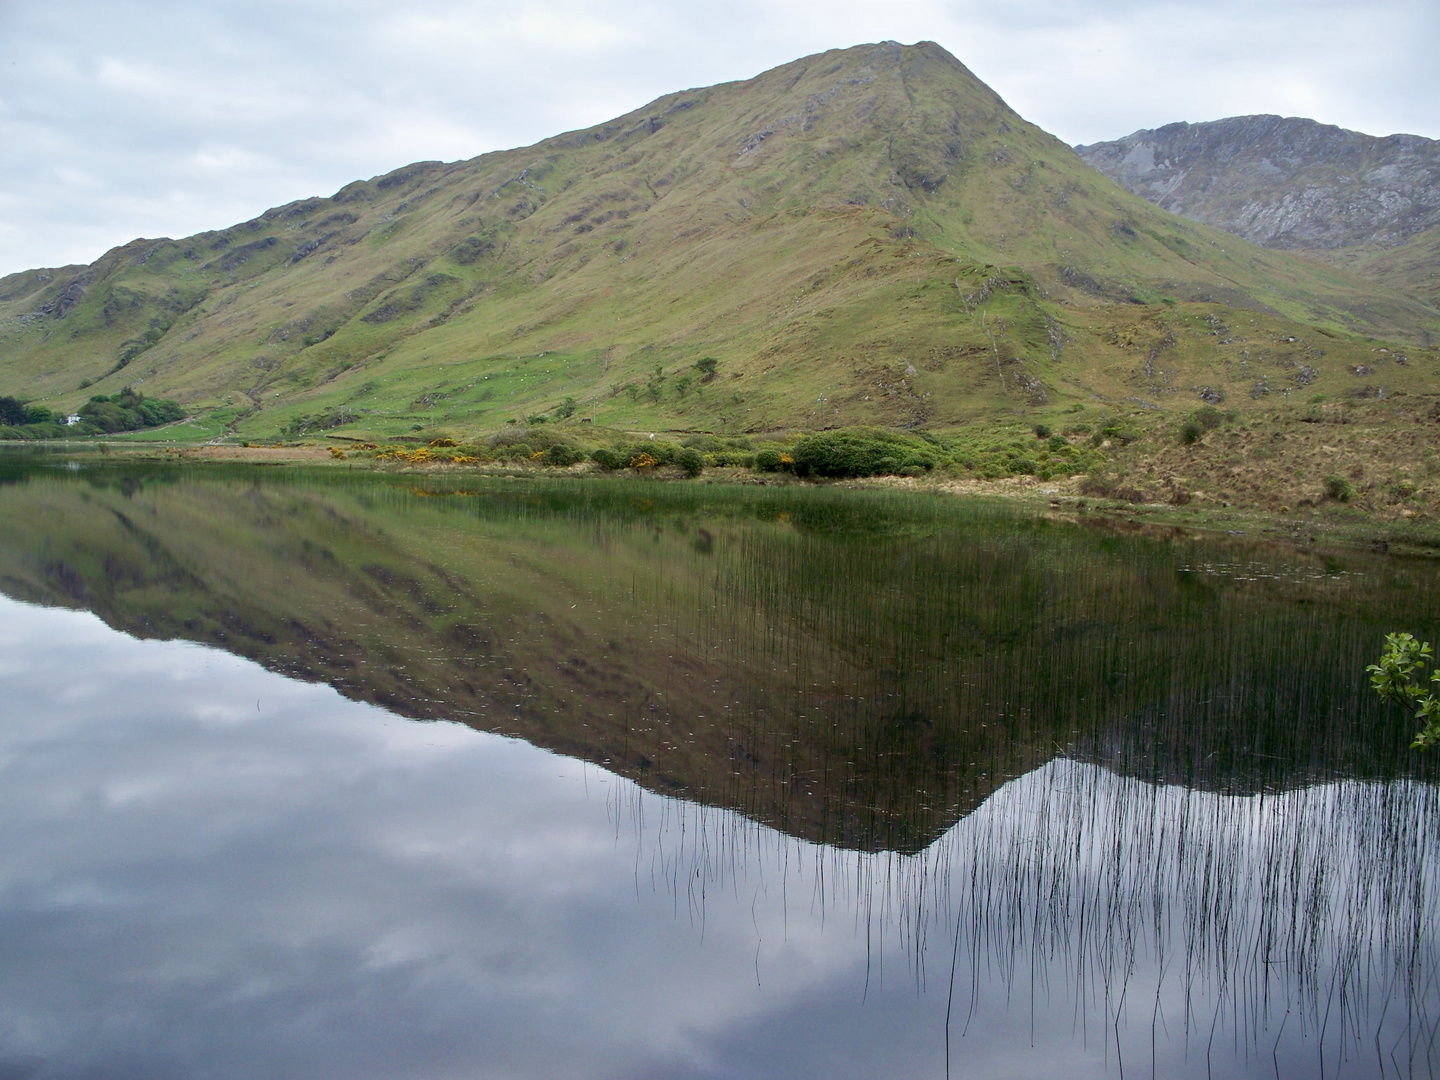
1172	931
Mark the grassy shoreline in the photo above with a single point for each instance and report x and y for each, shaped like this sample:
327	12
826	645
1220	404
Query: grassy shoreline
1321	526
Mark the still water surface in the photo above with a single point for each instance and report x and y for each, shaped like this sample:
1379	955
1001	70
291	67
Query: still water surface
374	777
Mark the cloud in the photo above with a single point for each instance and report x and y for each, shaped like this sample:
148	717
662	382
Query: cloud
193	116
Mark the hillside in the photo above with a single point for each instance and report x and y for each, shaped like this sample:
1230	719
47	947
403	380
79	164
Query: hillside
1296	185
867	235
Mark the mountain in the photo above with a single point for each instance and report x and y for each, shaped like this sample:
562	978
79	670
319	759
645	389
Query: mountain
1296	185
866	235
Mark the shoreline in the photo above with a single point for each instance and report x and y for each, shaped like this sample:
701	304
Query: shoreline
1313	529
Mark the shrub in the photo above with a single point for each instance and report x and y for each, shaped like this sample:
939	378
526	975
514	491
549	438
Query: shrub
860	452
1208	417
609	459
12	411
1191	432
706	366
515	452
1121	432
1042	431
562	455
663	452
1338	488
691	461
768	460
740	458
1057	443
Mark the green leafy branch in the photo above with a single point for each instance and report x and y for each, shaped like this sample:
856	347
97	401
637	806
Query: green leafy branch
1400	677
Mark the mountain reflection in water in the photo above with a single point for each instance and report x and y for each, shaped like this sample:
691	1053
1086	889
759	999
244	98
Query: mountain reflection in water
906	771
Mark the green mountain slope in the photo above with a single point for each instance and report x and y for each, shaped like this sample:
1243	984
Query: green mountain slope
867	235
1412	267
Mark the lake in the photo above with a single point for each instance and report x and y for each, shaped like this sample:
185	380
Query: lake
344	774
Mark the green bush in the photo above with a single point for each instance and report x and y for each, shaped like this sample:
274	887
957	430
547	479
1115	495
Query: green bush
563	455
1339	489
126	411
768	460
1208	417
12	411
734	458
607	458
515	452
1042	431
663	452
1191	432
1120	431
861	452
691	461
707	444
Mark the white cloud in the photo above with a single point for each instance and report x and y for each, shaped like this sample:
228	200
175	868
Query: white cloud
195	116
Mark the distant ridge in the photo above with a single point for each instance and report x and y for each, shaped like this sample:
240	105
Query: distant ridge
1282	182
1296	185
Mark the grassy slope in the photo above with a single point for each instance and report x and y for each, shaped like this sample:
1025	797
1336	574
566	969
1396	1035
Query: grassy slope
868	235
1412	267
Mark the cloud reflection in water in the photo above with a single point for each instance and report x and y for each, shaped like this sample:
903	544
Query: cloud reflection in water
207	869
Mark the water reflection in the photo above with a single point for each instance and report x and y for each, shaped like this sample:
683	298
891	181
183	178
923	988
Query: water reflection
1096	799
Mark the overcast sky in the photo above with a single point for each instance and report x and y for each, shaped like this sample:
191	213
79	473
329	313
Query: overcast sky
126	118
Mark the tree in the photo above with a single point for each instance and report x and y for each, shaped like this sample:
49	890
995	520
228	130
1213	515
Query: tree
1394	678
12	411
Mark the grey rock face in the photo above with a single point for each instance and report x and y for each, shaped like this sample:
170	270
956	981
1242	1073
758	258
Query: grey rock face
1285	183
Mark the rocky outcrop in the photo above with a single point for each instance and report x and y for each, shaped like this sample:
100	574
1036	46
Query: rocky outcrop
1283	182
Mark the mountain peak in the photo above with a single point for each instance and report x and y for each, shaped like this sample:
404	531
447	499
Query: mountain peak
1285	182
